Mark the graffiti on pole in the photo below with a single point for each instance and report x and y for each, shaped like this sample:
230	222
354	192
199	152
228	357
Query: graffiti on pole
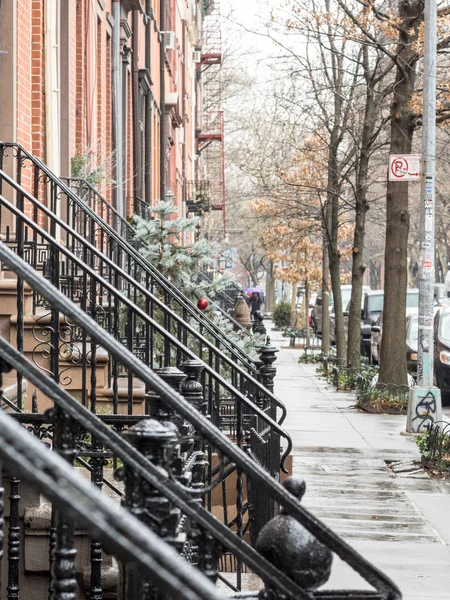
425	413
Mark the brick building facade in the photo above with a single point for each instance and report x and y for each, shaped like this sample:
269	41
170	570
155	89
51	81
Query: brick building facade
98	80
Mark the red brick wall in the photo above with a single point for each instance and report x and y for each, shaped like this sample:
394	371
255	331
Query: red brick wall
37	79
23	88
30	121
23	124
73	99
108	114
129	156
80	131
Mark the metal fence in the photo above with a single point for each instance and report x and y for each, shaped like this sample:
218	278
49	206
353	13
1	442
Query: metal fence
436	446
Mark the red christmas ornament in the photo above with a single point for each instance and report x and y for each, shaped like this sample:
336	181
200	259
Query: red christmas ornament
202	303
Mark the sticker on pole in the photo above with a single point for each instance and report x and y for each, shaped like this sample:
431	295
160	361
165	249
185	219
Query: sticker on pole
405	167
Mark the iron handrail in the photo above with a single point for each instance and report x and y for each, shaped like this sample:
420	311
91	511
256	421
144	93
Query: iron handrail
146	318
122	534
102	199
216	438
258	385
159	479
165	284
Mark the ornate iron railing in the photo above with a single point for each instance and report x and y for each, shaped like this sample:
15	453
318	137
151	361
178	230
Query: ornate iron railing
109	216
142	208
94	214
87	193
59	347
155	478
105	217
115	528
132	312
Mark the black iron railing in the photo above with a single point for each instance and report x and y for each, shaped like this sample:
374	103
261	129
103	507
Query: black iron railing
380	397
110	217
102	381
112	232
226	297
164	475
140	286
87	193
142	208
115	528
101	214
132	312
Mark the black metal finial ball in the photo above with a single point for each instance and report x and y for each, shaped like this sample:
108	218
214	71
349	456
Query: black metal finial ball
290	547
296	486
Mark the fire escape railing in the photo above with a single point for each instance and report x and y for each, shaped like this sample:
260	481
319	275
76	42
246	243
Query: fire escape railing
168	477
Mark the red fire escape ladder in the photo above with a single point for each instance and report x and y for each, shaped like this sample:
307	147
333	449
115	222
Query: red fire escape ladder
210	128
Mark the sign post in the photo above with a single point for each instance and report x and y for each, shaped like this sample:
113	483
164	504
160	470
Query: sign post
424	406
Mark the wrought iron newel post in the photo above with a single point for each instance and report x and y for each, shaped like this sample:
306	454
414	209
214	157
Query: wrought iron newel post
204	549
156	441
63	576
97	461
268	371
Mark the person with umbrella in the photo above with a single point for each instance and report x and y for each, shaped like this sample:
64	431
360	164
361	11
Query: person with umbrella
255	300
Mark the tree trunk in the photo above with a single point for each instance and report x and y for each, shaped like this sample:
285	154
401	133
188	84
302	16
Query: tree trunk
325	289
307	329
393	349
270	288
335	256
361	207
293	318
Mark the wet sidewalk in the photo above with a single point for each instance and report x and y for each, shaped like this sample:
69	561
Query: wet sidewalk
401	523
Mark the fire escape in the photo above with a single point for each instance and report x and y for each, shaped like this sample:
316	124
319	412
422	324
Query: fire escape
210	119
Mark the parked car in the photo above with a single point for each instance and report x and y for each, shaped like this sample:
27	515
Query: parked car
373	307
312	302
412	329
442	352
346	291
317	312
370	313
376	335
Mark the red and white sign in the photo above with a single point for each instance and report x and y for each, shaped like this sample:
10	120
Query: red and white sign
405	167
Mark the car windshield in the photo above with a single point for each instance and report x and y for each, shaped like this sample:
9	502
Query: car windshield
414	330
375	303
412	300
444	326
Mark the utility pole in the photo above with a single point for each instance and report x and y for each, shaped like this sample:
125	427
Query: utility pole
424	407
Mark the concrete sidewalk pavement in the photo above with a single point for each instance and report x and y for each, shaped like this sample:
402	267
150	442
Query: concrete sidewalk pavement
400	524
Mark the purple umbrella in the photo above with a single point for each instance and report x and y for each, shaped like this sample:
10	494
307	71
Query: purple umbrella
254	289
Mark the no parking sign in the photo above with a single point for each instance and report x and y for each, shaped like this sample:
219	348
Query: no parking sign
405	167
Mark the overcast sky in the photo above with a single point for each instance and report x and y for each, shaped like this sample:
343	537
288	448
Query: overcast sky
247	21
